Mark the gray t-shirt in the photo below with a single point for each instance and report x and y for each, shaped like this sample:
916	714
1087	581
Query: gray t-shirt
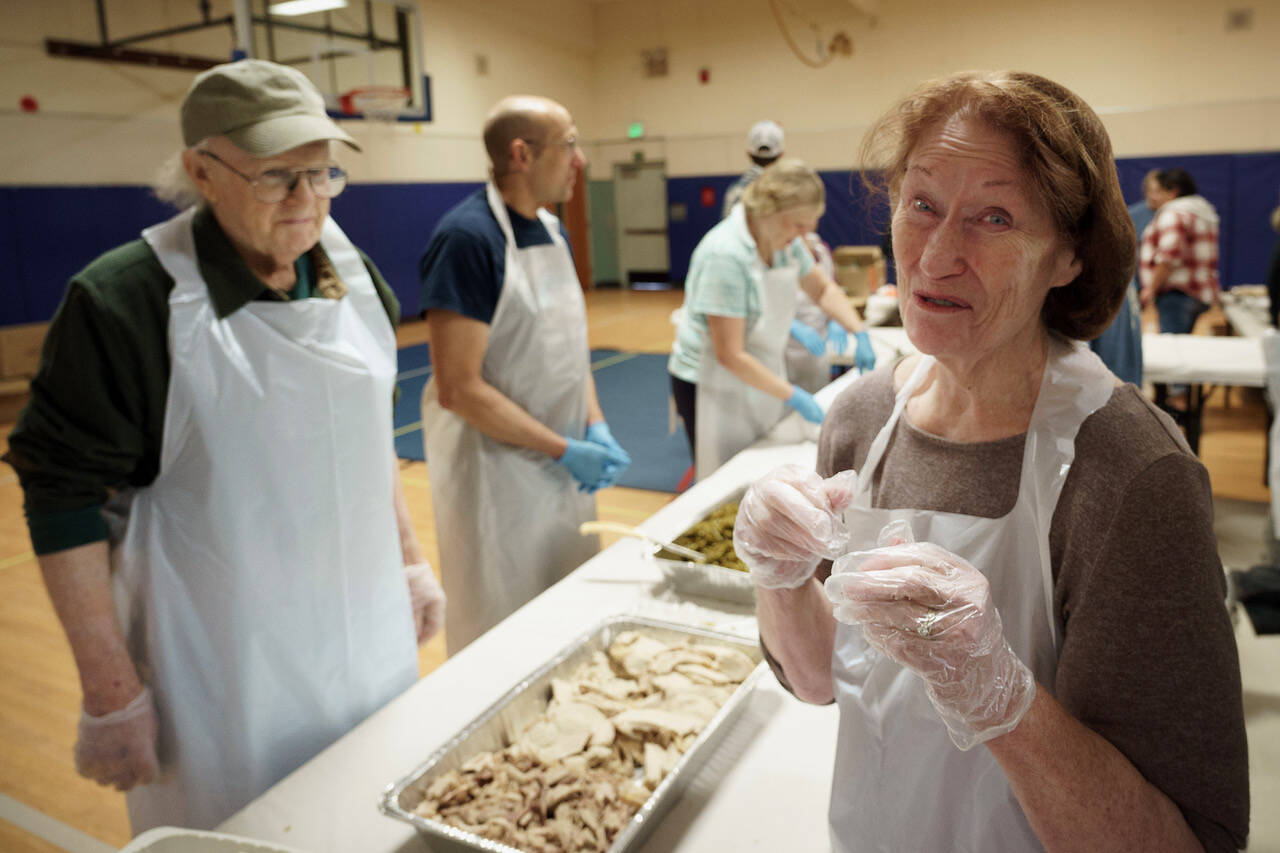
1148	655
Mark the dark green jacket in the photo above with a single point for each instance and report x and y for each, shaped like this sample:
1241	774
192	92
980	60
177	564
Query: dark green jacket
95	419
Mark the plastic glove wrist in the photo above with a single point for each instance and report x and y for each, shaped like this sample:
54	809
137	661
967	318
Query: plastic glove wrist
973	718
427	599
119	748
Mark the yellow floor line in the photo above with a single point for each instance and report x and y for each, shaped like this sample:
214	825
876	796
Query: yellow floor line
16	559
408	428
610	361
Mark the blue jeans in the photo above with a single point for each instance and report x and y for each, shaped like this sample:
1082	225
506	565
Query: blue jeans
1178	312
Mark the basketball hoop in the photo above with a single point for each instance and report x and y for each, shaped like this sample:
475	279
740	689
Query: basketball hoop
376	103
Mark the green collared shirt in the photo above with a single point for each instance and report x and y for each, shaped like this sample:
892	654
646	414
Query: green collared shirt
95	420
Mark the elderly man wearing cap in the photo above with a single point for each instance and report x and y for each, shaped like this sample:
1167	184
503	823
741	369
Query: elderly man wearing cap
208	470
764	145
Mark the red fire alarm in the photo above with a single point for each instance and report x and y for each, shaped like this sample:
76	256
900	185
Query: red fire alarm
708	197
28	104
704	75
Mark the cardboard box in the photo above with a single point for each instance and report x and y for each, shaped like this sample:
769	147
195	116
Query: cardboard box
20	350
859	271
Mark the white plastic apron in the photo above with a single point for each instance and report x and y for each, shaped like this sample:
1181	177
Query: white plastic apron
900	784
260	577
508	516
732	415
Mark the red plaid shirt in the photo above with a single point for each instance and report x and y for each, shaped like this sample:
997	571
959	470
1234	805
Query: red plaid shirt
1183	234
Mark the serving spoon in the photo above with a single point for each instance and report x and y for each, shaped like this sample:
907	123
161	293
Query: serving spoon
626	530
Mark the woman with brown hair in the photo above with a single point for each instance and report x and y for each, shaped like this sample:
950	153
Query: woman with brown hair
1025	557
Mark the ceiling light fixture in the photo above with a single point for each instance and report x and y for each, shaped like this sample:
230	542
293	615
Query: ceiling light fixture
305	7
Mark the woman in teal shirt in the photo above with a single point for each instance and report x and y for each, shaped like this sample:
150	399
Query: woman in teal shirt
727	365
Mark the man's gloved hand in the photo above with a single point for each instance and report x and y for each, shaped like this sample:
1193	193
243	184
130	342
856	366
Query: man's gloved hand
591	464
809	337
864	357
931	611
119	748
428	600
598	433
838	335
788	521
802	401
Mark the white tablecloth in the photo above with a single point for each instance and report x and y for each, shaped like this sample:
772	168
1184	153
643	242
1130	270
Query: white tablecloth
765	788
1203	359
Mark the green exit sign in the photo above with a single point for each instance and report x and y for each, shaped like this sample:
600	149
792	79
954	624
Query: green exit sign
635	130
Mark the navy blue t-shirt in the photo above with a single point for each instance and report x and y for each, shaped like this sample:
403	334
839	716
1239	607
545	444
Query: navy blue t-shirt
464	264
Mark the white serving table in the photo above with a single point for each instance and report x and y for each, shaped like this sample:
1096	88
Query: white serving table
1247	309
765	788
1203	360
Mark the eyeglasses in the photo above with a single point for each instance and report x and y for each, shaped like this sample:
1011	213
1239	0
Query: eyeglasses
569	144
275	185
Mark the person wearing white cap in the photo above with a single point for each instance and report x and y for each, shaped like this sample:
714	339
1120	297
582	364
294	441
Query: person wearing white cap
765	141
208	470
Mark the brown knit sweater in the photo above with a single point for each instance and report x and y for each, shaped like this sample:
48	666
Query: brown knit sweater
1148	656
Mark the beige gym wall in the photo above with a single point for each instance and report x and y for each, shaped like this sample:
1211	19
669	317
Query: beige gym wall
1166	75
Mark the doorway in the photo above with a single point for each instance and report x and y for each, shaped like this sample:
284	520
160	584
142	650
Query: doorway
640	205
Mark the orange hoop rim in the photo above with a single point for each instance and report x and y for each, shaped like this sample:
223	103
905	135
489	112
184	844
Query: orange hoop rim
376	102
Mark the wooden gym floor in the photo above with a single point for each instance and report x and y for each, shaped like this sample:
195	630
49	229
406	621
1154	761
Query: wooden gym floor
40	698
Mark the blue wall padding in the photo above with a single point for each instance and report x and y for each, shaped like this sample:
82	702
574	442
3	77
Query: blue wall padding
392	223
49	233
682	237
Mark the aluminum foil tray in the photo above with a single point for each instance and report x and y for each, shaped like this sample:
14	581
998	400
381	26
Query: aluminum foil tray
493	729
690	578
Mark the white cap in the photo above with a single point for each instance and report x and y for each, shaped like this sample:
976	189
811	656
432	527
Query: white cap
764	139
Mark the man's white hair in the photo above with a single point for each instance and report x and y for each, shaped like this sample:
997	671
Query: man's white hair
173	185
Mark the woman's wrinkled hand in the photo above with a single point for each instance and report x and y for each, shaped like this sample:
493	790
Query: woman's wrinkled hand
788	521
932	612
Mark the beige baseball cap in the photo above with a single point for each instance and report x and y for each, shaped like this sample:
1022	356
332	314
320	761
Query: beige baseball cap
262	107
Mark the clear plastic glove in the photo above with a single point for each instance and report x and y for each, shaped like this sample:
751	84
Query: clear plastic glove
428	600
931	611
802	401
788	521
838	336
809	337
592	465
864	357
599	433
119	748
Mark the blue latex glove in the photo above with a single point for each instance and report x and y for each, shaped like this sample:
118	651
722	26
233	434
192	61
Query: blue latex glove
838	335
591	464
810	338
864	357
802	401
599	433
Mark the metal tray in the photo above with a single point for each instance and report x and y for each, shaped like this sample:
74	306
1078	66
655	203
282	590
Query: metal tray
690	578
492	730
